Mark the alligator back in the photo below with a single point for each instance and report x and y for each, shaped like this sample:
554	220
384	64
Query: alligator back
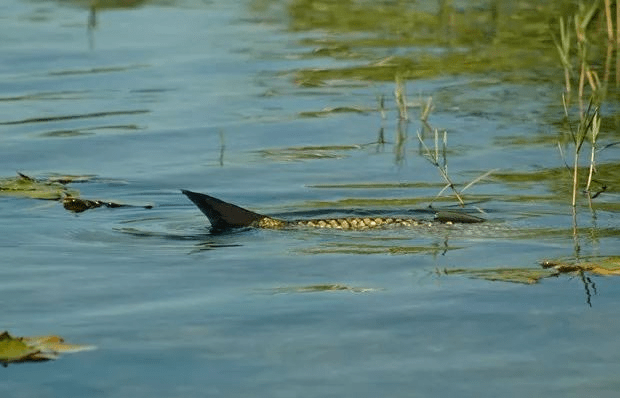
223	215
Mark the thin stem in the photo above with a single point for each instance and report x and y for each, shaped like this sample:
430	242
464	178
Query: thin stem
575	177
610	27
596	127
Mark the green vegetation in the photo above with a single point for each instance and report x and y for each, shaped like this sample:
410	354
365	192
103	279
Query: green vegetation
399	41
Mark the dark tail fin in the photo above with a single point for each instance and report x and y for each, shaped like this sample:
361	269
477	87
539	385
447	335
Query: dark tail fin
222	215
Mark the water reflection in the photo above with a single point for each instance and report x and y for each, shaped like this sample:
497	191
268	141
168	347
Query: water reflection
582	270
73	117
400	148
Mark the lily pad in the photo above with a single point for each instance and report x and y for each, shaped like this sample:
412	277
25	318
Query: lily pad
35	349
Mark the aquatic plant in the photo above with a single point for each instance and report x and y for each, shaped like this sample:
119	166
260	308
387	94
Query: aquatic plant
438	156
35	349
574	51
589	126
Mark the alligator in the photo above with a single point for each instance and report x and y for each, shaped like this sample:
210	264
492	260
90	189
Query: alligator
224	216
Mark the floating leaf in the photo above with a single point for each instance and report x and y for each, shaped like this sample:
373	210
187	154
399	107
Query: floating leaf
28	187
34	349
15	350
606	266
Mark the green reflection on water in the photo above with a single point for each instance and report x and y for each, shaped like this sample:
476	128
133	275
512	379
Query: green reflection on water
308	152
107	4
433	38
601	266
328	287
559	180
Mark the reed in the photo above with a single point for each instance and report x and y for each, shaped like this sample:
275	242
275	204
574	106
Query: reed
381	106
438	155
400	96
590	88
574	50
589	127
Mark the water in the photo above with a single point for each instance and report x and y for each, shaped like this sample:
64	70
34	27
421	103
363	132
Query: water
203	96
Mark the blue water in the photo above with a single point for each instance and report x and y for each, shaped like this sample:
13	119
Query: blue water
172	97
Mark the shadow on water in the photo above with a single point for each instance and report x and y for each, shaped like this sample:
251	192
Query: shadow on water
208	240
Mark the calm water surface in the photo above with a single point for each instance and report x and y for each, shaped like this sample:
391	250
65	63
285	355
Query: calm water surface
203	96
